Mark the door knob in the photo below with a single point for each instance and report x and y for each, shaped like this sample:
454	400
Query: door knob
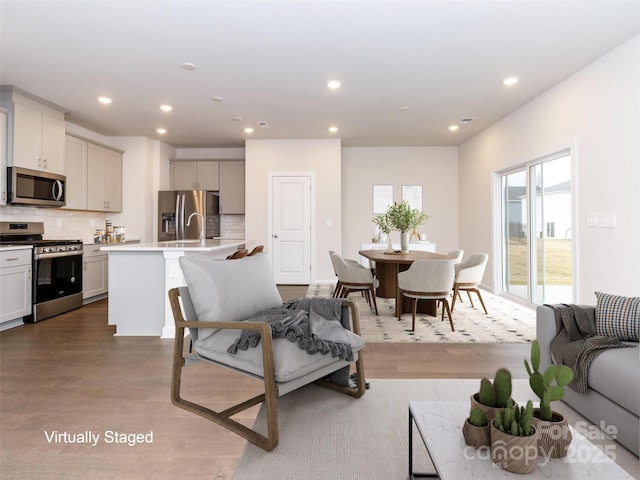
275	235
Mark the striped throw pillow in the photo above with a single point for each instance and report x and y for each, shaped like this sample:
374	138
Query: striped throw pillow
618	316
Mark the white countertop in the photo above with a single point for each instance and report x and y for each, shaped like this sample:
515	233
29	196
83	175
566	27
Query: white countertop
210	245
91	242
6	248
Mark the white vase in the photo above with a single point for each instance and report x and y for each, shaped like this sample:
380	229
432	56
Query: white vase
404	241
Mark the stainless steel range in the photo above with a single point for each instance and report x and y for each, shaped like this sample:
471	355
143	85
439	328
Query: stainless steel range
57	268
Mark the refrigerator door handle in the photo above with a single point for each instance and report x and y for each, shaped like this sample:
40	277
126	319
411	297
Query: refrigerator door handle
179	217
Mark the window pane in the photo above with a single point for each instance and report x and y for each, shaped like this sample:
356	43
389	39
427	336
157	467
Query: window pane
514	195
553	249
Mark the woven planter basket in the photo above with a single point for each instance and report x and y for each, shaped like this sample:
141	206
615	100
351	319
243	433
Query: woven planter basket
475	436
554	436
514	454
490	412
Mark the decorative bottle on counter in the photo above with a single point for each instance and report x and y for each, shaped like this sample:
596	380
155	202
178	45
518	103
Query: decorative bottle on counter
107	231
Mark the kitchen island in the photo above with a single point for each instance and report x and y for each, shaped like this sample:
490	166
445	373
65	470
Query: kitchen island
140	275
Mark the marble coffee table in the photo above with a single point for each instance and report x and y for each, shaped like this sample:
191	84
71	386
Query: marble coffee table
440	426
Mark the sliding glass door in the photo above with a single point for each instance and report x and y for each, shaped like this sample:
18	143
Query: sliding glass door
537	230
515	238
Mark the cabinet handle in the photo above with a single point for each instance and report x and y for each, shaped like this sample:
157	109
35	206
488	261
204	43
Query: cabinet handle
12	259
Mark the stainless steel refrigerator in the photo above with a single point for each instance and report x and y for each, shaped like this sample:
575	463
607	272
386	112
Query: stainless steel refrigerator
175	207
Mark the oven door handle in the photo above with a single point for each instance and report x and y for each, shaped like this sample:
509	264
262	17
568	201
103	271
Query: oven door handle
43	256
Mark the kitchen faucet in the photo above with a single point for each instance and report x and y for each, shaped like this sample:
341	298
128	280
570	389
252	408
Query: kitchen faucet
201	225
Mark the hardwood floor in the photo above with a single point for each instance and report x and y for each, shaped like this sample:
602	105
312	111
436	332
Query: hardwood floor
70	375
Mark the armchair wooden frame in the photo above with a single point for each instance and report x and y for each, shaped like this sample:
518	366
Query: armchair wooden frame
272	389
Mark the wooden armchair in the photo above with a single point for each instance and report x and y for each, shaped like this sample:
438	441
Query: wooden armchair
278	363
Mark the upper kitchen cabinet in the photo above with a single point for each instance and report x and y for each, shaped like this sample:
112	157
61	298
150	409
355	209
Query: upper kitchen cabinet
232	188
94	176
36	131
195	175
3	156
76	173
104	179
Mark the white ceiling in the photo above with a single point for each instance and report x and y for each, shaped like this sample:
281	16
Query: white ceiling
270	61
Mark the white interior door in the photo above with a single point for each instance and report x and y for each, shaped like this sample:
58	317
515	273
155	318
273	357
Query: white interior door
291	229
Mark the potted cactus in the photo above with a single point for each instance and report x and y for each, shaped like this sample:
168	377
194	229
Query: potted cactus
493	396
476	430
554	434
514	439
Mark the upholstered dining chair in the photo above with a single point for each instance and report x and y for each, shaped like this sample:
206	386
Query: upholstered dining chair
468	277
457	254
353	277
427	280
338	290
224	298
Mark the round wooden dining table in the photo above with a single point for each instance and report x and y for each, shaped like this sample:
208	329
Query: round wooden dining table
388	264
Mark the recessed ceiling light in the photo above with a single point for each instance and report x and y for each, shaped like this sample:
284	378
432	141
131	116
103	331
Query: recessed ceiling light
403	109
333	129
161	131
453	128
217	99
189	66
166	108
105	100
510	81
248	130
333	84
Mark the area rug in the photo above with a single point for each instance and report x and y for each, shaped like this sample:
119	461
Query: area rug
506	322
326	435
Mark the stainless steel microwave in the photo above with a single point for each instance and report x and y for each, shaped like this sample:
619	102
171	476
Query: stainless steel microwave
33	187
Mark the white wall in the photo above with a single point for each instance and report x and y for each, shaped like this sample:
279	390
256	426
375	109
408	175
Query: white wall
435	168
145	170
321	157
597	111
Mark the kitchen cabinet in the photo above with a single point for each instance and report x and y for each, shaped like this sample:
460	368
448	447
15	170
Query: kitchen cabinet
15	284
95	273
3	156
36	133
104	179
195	175
76	173
232	188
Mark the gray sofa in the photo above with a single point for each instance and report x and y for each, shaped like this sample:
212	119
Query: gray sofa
614	384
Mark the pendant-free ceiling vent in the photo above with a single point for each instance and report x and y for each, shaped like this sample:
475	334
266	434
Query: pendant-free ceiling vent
263	124
466	120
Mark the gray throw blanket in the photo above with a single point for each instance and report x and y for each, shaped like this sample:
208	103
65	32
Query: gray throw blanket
313	323
576	344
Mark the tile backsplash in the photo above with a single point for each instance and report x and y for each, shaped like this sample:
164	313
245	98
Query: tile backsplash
232	225
58	223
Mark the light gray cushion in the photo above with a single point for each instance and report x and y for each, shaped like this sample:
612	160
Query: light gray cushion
615	373
290	361
229	290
